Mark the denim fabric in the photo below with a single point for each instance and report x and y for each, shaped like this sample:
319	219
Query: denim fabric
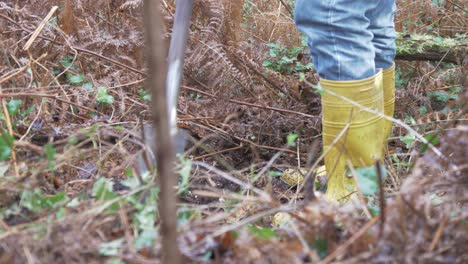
348	39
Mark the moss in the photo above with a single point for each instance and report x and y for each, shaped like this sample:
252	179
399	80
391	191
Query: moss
425	43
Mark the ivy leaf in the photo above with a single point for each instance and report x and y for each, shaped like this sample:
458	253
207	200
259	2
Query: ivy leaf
262	232
75	79
103	189
6	142
184	172
321	246
144	95
267	63
88	86
319	89
66	61
409	139
368	181
50	155
146	238
13	106
291	139
432	139
111	248
103	96
36	201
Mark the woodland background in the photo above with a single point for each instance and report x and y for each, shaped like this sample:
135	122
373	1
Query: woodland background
72	105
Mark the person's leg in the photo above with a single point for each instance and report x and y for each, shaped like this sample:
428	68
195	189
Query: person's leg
344	57
340	44
382	26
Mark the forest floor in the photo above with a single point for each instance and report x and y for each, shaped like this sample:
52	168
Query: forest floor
72	184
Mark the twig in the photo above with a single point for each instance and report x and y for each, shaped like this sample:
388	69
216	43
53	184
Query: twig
438	234
288	8
249	104
39	28
309	183
381	197
230	178
218	152
164	147
10	131
8	77
2	95
342	249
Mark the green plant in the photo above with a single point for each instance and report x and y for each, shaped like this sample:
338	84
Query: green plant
103	96
367	179
285	60
36	201
291	139
6	144
445	96
184	170
262	232
103	191
50	155
15	111
144	95
401	79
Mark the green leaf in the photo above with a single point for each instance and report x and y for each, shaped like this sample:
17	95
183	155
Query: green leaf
432	138
409	139
103	189
50	155
75	79
441	96
66	61
61	212
13	106
26	112
318	89
111	248
321	246
36	201
56	200
74	202
274	174
367	179
144	95
302	77
88	86
267	63
374	209
291	139
115	261
103	96
146	238
6	142
262	232
422	110
184	172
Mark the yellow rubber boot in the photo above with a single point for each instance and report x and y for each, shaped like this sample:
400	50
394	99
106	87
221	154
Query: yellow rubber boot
389	98
362	142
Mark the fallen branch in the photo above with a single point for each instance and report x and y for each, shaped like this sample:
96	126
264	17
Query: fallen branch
432	48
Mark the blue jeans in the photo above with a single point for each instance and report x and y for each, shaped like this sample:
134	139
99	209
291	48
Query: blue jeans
348	39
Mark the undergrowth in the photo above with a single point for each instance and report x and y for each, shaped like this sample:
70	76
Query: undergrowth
72	189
